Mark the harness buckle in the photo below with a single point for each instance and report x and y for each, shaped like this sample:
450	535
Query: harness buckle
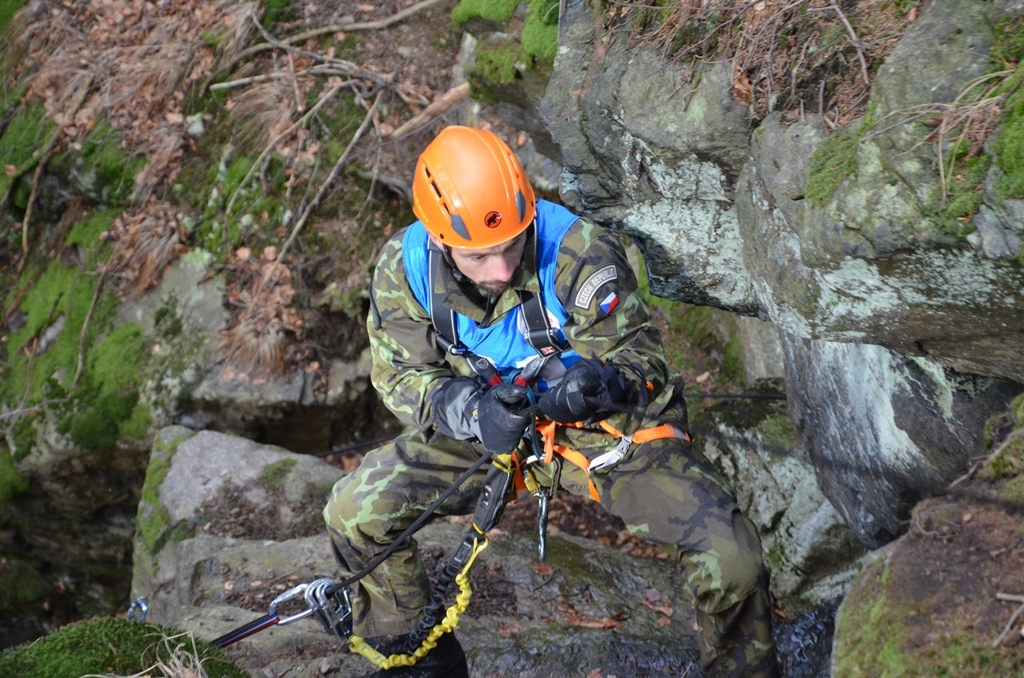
608	458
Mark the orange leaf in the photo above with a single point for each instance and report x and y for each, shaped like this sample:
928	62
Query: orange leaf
543	569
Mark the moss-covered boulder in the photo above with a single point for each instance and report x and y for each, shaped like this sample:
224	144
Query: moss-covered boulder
508	60
117	647
942	600
652	148
862	237
811	552
885	430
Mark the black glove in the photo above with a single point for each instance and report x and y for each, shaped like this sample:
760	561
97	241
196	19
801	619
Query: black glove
455	404
584	390
502	423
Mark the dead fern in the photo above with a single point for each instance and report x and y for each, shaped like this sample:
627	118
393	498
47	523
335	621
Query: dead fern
797	57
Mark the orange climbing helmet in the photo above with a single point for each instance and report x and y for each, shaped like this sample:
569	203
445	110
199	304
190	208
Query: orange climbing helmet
470	190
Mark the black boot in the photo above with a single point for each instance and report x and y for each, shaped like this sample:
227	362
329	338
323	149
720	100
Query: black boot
446	660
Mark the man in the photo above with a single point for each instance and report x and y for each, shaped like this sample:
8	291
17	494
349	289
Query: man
542	295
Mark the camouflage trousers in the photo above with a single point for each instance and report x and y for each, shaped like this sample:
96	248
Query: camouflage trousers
665	491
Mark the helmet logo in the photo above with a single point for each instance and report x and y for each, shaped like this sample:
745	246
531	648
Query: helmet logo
492	220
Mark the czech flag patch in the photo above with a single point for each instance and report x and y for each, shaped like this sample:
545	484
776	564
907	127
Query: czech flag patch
609	303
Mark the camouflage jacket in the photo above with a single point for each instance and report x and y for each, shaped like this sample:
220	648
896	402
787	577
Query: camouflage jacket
408	365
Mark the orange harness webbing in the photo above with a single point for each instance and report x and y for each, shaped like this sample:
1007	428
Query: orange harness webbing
548	429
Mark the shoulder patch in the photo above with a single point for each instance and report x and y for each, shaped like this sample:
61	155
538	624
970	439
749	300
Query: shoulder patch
593	283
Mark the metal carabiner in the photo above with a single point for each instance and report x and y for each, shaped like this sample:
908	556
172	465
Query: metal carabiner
286	597
138	605
333	610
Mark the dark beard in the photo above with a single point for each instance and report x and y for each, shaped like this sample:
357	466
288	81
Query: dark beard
493	288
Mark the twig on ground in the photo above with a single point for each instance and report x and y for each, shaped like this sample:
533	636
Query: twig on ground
821	100
85	330
347	68
323	189
29	410
988	460
1011	597
1009	626
373	184
295	85
438	107
37	178
277	75
333	28
854	41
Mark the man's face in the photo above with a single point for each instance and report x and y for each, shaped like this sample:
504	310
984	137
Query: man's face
491	269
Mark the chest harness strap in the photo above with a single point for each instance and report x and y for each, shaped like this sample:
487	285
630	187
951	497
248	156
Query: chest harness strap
539	334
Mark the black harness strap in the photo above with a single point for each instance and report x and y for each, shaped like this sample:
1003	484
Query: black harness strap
447	333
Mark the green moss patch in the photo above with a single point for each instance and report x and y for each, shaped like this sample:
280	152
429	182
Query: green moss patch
869	640
109	394
23	585
153	518
103	167
115	647
498	63
275	473
489	10
22	144
11	482
965	191
966	168
59	300
833	161
8	8
540	33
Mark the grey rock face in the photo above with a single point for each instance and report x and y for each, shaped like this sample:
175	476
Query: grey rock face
651	150
810	551
884	430
815	280
666	155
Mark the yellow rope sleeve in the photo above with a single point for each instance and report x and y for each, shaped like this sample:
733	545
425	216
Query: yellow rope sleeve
446	625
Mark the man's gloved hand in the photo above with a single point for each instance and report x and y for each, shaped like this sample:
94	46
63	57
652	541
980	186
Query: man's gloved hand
584	390
502	422
455	404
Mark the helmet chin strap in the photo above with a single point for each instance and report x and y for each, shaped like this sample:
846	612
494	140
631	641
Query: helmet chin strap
446	251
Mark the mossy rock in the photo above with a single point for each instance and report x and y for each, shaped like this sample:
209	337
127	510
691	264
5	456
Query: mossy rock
23	585
516	52
103	170
116	647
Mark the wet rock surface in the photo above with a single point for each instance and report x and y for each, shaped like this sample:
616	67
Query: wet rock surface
907	428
